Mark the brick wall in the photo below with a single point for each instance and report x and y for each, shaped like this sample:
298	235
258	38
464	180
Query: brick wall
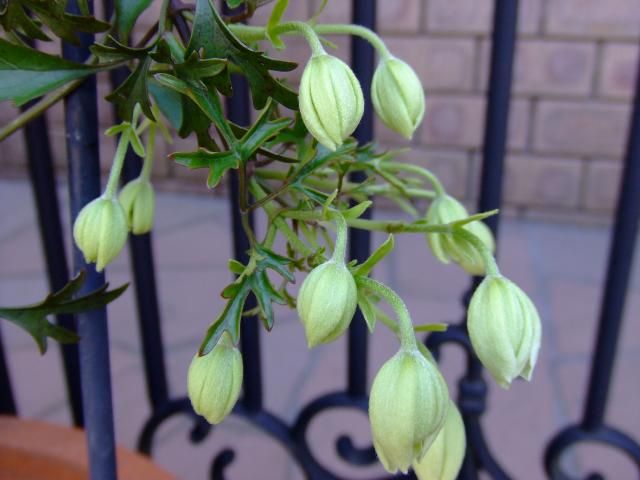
574	73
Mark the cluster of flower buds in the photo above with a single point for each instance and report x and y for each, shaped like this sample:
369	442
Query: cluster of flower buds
214	380
407	409
505	331
332	104
449	246
101	228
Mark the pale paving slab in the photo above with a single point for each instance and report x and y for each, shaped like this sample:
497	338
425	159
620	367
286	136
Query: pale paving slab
560	266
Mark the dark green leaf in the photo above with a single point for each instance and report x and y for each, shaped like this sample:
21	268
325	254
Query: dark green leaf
212	36
133	91
169	101
127	12
51	13
116	51
217	162
261	131
33	318
26	73
195	68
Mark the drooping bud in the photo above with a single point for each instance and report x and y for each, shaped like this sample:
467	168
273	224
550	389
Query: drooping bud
505	331
327	301
214	380
398	96
407	408
138	200
444	458
100	231
447	247
330	98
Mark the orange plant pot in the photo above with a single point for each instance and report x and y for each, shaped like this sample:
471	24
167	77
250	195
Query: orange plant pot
34	450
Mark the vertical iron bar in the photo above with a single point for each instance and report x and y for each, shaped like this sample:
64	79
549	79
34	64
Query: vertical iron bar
363	62
618	272
239	111
7	400
473	388
144	275
81	119
43	183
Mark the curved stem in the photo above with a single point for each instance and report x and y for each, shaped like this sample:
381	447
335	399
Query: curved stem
116	167
405	326
305	30
359	31
407	167
489	261
340	249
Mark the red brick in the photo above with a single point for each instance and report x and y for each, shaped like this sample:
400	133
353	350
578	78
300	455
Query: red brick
601	185
618	70
594	18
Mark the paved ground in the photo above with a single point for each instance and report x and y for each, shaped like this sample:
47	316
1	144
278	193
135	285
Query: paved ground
560	266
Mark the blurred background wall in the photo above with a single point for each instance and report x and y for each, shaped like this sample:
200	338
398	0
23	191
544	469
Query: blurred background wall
575	67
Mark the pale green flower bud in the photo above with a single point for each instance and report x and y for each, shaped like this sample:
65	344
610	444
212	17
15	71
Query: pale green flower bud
100	231
138	200
214	381
326	302
444	458
407	408
398	96
330	98
504	327
447	247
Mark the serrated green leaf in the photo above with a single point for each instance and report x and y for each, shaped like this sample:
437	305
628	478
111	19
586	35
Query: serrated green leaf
196	68
212	36
51	13
33	318
133	91
26	73
261	131
217	162
127	12
235	266
113	50
228	321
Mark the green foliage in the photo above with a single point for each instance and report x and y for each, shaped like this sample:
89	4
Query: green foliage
27	17
212	36
127	12
26	73
253	279
33	318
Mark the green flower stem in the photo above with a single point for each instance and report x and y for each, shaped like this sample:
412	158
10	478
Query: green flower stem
423	172
359	31
340	249
116	167
162	22
405	326
278	221
487	256
145	173
256	34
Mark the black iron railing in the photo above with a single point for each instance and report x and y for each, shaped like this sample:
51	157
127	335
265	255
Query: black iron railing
87	367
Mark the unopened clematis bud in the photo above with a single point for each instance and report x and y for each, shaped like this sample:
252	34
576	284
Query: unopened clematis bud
444	458
447	247
214	380
504	327
398	96
327	301
138	200
407	408
100	231
331	101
